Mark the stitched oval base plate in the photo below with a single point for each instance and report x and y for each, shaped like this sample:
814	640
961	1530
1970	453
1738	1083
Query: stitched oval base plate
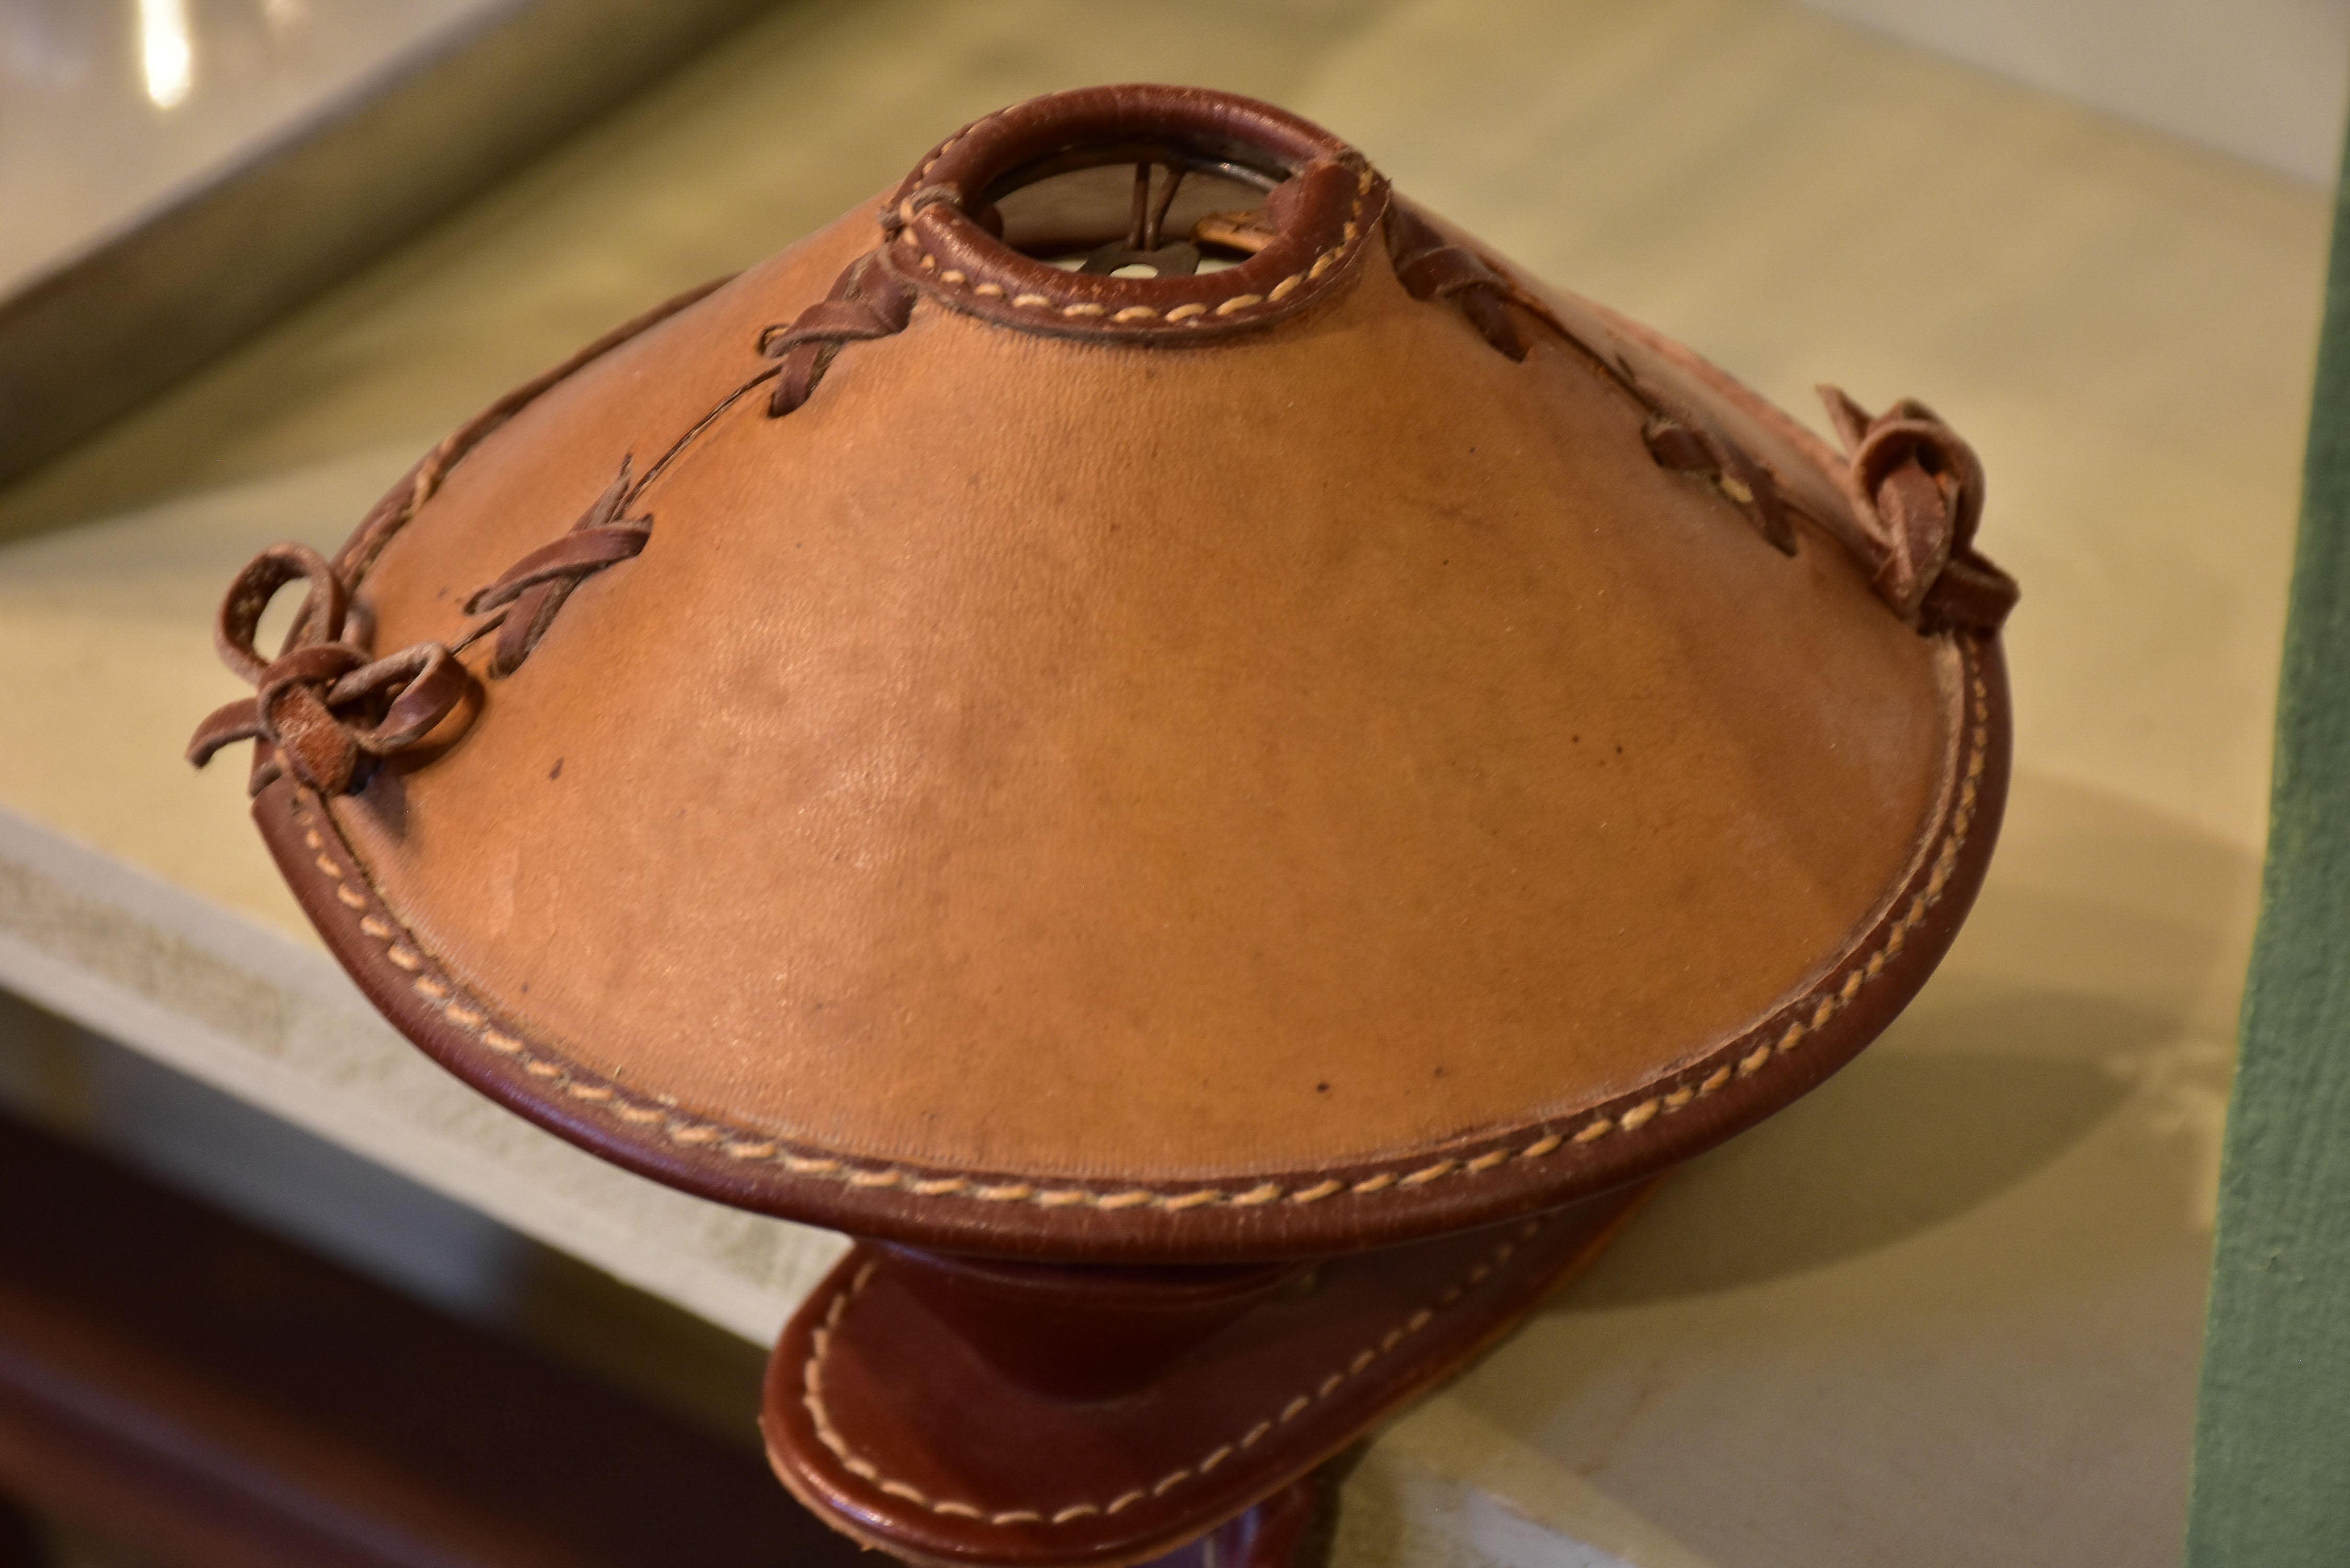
887	1424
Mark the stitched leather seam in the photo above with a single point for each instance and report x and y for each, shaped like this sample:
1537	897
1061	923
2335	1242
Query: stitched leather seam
856	1464
1192	313
1806	1014
904	211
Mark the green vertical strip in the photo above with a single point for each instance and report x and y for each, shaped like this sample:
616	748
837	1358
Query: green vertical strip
2271	1486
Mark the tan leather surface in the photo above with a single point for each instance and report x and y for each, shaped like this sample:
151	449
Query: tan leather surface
1114	762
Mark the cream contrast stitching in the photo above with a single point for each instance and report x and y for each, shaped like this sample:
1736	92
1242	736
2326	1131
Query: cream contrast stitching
856	1464
1807	1014
1321	261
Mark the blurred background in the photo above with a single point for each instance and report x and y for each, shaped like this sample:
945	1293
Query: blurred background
175	172
255	256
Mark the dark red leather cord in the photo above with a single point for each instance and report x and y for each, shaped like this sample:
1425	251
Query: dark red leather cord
322	704
533	589
868	301
1431	267
1914	484
1688	442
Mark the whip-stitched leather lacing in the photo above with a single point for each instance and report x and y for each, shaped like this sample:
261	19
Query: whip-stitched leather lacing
534	588
1687	441
1914	484
1920	488
1430	267
322	704
866	301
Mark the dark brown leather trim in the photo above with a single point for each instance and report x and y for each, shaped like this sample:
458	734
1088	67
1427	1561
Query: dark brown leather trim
1242	1215
1329	204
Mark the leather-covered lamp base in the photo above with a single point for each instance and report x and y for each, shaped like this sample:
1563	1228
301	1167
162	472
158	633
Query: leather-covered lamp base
905	1406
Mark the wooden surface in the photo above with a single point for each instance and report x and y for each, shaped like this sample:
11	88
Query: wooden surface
2273	1430
1946	1311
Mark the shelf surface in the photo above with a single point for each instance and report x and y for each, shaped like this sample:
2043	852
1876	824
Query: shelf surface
109	111
1945	1311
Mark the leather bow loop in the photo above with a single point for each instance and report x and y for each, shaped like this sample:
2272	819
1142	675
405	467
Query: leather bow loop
319	621
1920	487
322	705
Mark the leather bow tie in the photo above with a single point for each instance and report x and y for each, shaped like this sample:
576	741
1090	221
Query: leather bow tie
321	705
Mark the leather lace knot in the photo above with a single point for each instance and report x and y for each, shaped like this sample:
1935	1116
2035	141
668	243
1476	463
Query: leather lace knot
866	301
1921	487
323	706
